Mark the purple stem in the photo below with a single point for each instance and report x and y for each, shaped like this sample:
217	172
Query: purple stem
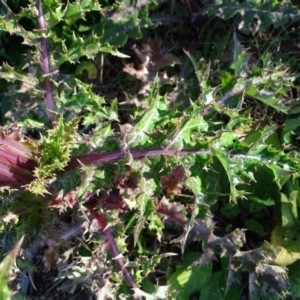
91	205
204	232
116	253
45	66
106	157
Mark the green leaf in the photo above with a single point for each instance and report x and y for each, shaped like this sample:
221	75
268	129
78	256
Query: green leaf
189	280
212	289
87	46
182	135
233	179
256	16
230	210
11	25
10	74
294	276
142	202
289	126
279	173
255	226
267	97
140	133
289	211
240	58
54	16
147	121
5	269
194	184
266	133
73	12
257	204
125	21
286	242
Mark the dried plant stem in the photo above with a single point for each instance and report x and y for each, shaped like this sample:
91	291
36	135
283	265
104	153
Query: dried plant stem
46	67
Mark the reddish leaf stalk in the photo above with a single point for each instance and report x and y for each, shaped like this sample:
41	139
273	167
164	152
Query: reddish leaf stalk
106	157
103	225
46	68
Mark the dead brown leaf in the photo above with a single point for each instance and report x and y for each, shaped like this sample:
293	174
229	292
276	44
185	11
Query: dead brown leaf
153	57
172	184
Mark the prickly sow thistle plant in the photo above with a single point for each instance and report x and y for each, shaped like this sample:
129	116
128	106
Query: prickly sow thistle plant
166	170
